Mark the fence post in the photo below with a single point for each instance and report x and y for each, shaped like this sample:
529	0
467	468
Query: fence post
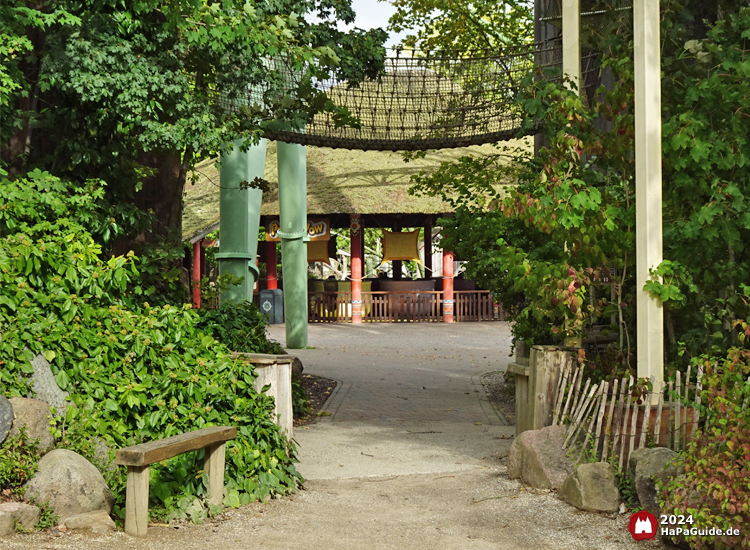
546	366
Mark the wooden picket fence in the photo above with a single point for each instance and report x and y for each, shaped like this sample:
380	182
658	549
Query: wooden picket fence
603	422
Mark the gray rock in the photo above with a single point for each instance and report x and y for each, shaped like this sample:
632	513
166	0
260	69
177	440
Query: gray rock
104	459
71	485
6	417
98	522
46	388
12	512
297	366
592	487
35	415
645	466
537	457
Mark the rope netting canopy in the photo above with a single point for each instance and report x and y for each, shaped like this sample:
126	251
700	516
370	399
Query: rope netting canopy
422	100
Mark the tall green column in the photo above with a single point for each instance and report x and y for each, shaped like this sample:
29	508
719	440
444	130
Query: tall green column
293	233
240	218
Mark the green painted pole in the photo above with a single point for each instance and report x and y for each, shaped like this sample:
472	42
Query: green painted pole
293	233
239	215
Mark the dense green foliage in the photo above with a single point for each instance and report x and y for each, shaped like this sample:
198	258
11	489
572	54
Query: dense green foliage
548	244
136	93
462	24
19	458
240	327
134	372
715	489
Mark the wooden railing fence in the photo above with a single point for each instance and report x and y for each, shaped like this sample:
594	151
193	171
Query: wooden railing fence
605	421
411	306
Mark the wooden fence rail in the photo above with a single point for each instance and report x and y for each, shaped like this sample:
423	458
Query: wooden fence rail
403	307
605	420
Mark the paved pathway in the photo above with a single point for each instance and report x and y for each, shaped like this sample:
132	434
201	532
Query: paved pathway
411	457
410	398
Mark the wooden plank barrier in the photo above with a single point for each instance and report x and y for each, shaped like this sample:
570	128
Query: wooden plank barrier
138	458
608	418
406	307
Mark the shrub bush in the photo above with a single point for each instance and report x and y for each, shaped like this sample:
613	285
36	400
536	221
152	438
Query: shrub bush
134	373
715	489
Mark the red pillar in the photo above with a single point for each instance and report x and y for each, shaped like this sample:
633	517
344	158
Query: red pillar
356	230
448	301
272	275
197	273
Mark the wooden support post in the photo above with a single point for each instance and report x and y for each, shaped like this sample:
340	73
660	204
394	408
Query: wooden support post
547	364
214	466
136	501
272	272
355	227
648	186
448	301
197	273
428	251
571	32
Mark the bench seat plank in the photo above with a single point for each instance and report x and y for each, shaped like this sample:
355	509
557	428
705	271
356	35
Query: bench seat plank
163	449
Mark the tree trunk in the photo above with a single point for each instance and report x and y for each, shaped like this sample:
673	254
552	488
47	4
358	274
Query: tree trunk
162	193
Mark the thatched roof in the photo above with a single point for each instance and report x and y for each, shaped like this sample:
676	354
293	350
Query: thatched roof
338	181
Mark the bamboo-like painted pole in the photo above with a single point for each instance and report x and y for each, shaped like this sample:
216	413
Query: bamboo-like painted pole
239	211
292	166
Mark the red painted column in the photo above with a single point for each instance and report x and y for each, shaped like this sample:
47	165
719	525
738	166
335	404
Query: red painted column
448	301
356	230
272	275
197	273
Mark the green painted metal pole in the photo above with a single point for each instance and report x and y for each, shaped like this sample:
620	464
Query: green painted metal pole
239	216
293	233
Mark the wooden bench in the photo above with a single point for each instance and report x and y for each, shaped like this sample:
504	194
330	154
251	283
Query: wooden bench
138	458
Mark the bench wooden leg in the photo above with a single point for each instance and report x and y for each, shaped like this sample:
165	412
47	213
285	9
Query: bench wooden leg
214	465
136	501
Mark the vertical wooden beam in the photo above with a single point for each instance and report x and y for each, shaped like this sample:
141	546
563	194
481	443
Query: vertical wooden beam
214	466
197	273
136	501
571	33
648	192
428	251
356	229
448	301
272	272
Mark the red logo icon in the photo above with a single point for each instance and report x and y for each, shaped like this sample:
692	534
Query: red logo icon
642	525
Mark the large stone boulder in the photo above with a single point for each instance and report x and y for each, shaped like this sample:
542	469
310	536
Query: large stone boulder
71	484
537	457
592	487
98	522
12	512
46	388
645	467
35	415
6	417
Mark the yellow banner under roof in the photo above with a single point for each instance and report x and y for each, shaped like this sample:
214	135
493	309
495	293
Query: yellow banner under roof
317	251
400	246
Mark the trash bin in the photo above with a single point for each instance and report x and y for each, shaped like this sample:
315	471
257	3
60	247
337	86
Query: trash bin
272	305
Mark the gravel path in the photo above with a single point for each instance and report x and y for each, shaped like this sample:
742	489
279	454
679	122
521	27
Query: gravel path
411	456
